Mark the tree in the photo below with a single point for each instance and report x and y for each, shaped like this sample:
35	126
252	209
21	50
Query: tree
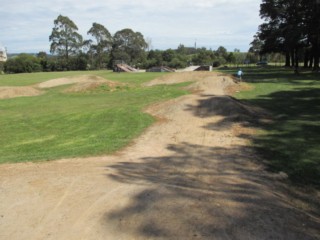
154	58
203	57
256	47
239	57
291	27
312	30
23	63
277	33
231	58
129	46
102	44
181	49
221	52
78	62
42	56
168	55
65	39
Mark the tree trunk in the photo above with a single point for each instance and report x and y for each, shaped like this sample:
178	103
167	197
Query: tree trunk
316	63
296	58
67	52
292	58
316	43
311	57
306	58
287	59
315	51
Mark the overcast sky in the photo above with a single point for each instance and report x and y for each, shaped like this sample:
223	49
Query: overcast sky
25	25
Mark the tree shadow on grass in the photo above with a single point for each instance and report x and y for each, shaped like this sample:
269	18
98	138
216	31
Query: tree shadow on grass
275	75
291	142
200	192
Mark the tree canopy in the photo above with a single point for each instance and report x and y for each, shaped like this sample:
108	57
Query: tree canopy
102	42
291	27
129	46
65	39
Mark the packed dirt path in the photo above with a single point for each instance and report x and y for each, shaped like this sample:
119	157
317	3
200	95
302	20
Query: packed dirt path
189	176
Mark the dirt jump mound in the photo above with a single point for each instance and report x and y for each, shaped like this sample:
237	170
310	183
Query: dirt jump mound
79	84
228	107
180	77
12	92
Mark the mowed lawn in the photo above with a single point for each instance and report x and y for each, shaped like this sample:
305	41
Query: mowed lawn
291	141
62	125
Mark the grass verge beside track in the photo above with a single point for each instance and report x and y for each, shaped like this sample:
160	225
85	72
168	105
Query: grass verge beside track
291	141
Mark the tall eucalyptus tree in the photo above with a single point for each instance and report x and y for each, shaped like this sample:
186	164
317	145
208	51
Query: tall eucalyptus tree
65	40
102	43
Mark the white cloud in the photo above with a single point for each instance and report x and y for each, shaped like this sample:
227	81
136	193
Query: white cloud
28	24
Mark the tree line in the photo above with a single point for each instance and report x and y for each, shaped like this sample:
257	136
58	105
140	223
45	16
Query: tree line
70	51
292	28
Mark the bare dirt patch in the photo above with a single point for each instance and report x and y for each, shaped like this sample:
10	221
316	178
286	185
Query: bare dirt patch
240	86
180	77
70	80
12	92
79	84
192	176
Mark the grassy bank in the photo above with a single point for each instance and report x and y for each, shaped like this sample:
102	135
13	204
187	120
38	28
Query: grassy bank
291	142
60	125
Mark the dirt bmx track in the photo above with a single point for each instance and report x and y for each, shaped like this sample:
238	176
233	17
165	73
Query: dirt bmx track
189	176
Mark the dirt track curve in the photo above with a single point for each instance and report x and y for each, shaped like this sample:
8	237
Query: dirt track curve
189	176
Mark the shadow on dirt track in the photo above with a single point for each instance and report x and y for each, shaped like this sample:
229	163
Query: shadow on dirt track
205	193
209	192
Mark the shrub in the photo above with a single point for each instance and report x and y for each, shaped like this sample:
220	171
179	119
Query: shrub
23	63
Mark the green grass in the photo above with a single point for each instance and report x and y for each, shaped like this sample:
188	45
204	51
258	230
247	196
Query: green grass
62	125
291	143
26	79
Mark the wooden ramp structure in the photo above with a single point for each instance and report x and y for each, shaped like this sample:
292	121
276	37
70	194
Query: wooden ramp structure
122	67
160	69
197	68
204	68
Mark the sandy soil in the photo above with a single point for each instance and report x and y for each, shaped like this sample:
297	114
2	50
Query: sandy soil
11	92
189	176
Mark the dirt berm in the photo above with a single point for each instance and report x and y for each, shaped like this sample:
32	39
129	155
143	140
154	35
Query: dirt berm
189	176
